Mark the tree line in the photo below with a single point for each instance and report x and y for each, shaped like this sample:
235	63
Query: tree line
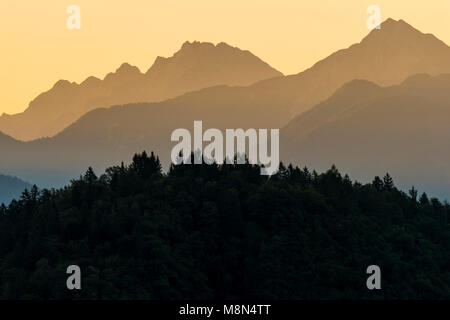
223	232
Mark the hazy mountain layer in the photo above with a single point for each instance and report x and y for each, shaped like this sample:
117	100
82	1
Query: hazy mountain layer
103	137
11	188
195	66
369	130
386	56
363	128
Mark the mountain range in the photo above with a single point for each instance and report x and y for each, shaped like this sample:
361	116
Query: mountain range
377	106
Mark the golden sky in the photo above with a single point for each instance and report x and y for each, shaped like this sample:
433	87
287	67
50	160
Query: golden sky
291	35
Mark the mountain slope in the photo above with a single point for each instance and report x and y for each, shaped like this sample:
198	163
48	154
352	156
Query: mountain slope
11	188
195	66
369	130
385	56
103	136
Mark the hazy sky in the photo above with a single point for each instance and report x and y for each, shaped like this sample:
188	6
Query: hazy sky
291	35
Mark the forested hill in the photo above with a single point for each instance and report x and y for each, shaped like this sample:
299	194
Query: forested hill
205	231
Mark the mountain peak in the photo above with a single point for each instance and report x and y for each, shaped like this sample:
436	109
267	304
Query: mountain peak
126	68
389	22
400	24
196	44
397	38
63	84
125	71
90	81
393	29
238	67
423	80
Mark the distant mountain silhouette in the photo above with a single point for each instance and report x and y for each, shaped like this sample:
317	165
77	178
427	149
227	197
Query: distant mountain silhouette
106	136
385	56
392	142
366	129
195	66
11	188
370	130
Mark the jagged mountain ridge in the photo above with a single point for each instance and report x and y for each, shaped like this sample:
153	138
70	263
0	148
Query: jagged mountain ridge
195	66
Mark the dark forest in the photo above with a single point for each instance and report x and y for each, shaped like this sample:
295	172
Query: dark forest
223	232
